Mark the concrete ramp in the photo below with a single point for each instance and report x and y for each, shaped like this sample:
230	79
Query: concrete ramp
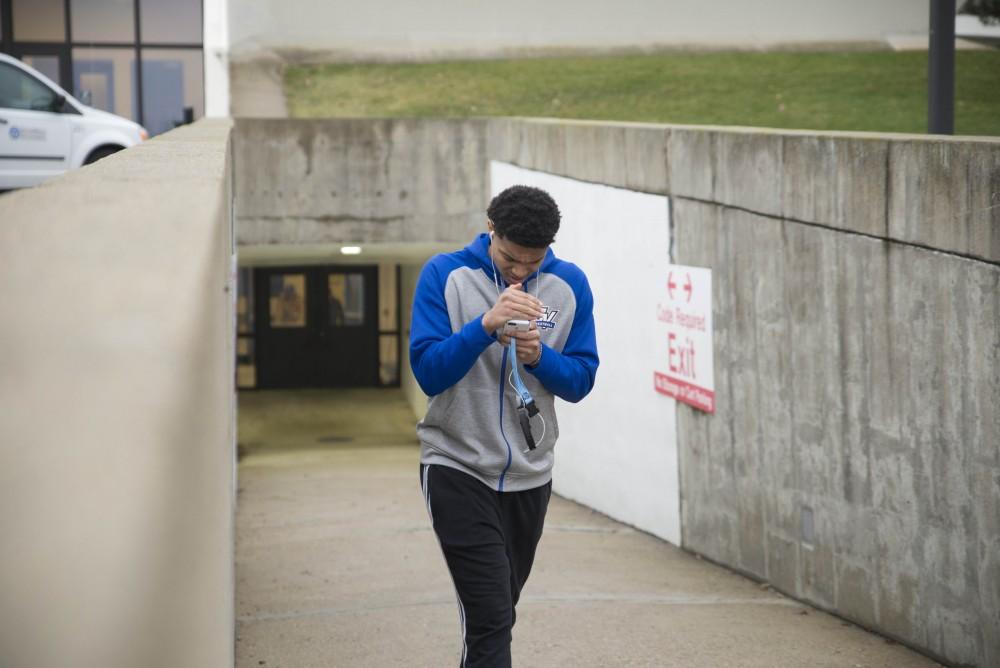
337	565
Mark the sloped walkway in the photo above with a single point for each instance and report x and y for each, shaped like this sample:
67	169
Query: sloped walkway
336	565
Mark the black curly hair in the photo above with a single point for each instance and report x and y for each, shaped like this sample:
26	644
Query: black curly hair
525	215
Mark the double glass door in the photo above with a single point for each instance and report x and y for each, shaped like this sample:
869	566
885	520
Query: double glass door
316	327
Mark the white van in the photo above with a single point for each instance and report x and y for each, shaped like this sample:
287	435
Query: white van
44	131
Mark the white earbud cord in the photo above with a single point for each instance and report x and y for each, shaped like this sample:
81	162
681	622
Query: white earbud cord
538	290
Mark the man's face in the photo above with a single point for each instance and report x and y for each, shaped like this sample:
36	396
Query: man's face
514	262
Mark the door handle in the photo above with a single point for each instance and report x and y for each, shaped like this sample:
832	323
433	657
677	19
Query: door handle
3	121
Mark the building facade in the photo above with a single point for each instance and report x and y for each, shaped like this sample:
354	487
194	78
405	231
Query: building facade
141	59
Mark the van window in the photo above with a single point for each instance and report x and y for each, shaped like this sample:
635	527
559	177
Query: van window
18	90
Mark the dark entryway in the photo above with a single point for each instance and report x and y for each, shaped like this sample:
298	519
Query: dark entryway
316	326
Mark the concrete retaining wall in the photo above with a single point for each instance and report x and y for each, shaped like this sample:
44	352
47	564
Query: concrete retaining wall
116	381
384	181
854	458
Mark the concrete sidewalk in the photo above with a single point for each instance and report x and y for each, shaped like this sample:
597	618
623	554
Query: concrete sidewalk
336	565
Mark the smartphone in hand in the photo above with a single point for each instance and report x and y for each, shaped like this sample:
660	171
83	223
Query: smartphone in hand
516	326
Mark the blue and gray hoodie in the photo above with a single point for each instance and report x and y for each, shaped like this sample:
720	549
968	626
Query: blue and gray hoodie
471	422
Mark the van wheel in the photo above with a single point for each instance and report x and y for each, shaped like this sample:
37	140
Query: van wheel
102	152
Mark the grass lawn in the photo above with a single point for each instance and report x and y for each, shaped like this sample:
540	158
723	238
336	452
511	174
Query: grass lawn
880	91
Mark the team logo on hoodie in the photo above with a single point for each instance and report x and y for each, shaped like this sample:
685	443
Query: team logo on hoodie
548	319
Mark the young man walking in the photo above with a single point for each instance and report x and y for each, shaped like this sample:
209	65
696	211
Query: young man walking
490	428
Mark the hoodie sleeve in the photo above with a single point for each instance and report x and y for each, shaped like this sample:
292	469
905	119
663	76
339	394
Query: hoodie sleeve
439	357
570	374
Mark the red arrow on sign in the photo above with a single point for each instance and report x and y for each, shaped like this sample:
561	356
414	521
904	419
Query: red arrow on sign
671	286
688	288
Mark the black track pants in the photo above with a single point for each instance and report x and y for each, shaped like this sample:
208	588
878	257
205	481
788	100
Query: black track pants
488	539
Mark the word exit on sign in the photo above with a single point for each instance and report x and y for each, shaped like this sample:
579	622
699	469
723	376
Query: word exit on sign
684	366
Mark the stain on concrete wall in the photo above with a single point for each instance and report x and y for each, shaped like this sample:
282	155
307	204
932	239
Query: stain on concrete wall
364	181
863	380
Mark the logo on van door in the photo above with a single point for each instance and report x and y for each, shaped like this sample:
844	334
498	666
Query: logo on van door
28	134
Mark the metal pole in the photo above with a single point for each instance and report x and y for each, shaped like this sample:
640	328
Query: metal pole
941	69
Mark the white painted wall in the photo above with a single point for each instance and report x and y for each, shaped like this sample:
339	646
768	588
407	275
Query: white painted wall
434	28
216	45
617	450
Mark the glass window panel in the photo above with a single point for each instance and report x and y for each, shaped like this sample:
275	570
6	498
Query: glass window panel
242	315
170	21
388	360
19	90
39	21
246	368
346	298
246	376
288	300
102	20
387	297
244	350
105	79
244	301
172	82
47	65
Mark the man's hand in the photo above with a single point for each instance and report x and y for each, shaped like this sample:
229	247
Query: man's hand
529	344
513	304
